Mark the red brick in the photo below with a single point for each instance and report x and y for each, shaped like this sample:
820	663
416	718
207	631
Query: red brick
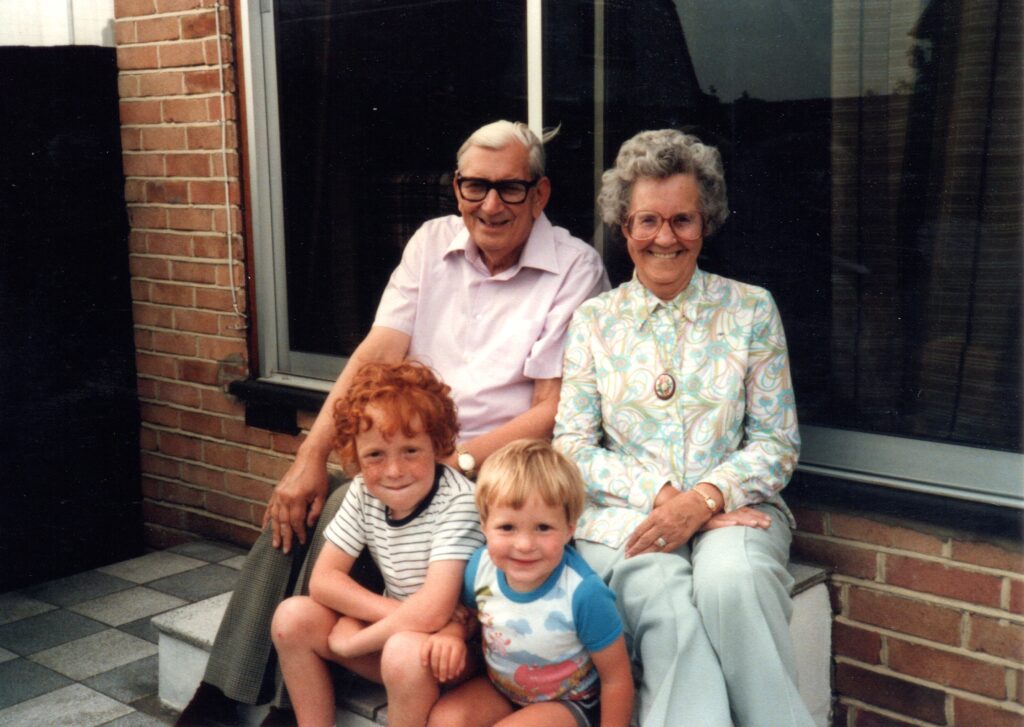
185	110
1017	596
155	316
169	243
202	82
156	29
1001	557
190	218
140	112
176	445
177	343
173	6
232	507
130	8
168	83
212	246
217	528
219	401
167	192
143	165
147	390
272	468
155	217
189	164
190	272
152	365
143	339
124	33
997	637
148	267
181	494
134	191
198	26
869	531
947	669
929	621
892	693
975	714
849	560
172	294
942	580
164	416
150	487
181	394
211	192
200	372
856	643
164	138
136	57
810	521
201	423
248	487
232	162
864	717
131	138
288	444
221	349
154	464
231	458
209	137
196	321
235	430
182	54
213	299
162	514
207	477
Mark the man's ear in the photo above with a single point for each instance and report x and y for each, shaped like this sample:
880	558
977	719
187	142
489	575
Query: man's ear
541	197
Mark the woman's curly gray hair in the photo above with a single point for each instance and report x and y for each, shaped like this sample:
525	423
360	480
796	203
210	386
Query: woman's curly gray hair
661	154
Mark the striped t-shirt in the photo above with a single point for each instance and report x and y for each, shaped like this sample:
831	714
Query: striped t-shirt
444	526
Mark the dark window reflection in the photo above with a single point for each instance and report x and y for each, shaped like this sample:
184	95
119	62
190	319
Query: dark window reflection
374	99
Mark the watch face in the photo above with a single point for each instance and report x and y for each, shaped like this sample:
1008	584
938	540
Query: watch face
466	462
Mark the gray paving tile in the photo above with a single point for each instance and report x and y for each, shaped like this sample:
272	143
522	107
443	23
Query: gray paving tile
151	566
72	706
45	631
15	606
151	706
77	588
127	606
143	628
138	719
95	654
127	683
6	655
22	679
195	585
208	551
237	562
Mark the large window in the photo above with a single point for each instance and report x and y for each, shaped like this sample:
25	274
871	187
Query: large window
873	155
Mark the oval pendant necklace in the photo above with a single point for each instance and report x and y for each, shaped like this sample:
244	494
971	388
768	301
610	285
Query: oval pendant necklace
664	383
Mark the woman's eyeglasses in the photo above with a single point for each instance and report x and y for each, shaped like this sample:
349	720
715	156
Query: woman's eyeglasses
645	225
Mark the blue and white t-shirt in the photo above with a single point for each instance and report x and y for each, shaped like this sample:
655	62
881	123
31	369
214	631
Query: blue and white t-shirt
538	644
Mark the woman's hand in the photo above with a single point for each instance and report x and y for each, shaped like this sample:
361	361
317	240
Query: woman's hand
673	521
745	516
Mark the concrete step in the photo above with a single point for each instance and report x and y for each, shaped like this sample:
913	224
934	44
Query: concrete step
186	637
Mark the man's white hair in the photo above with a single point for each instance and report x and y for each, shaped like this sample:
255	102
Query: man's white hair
499	134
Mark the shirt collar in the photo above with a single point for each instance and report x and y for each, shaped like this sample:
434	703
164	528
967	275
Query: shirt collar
645	304
539	251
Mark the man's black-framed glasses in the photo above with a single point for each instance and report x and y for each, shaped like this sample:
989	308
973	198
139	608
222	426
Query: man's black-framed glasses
511	191
645	225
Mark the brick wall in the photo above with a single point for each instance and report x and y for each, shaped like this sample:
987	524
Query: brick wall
928	627
929	623
204	472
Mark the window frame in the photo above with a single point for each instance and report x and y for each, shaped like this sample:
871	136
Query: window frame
945	469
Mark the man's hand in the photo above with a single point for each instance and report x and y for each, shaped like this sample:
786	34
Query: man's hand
296	502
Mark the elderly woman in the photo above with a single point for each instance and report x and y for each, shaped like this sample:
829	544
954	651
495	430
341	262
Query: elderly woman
677	406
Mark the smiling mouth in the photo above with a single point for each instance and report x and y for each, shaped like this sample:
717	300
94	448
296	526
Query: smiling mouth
665	255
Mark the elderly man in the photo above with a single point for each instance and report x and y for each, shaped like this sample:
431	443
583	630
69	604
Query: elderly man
484	299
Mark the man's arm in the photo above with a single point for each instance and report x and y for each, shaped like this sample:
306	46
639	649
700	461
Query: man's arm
537	422
299	497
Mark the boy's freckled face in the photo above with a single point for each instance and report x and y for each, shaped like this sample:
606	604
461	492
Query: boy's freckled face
527	544
398	471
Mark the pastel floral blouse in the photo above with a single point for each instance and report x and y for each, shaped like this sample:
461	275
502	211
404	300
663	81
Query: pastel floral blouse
731	421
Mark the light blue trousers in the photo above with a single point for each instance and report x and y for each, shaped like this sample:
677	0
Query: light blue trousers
708	629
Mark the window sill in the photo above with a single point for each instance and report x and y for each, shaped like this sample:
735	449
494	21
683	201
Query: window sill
273	406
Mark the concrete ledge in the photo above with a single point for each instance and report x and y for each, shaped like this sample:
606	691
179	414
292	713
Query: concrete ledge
187	633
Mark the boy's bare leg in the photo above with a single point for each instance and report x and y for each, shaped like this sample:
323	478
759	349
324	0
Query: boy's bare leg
473	704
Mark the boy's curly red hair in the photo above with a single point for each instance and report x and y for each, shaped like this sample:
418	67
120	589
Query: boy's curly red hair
408	396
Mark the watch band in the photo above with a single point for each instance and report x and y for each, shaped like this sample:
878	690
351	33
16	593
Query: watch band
708	500
465	461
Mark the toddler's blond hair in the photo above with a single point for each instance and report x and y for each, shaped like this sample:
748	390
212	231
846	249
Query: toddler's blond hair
529	466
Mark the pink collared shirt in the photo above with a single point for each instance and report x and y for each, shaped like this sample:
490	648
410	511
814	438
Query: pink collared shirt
489	336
